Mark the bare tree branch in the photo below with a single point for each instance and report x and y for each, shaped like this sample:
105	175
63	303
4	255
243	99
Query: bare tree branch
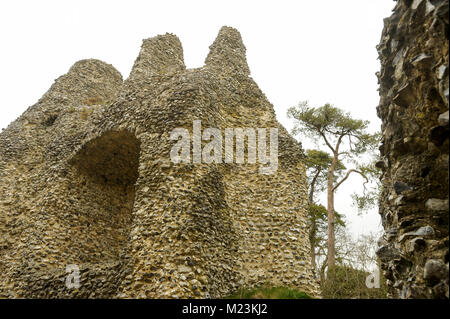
348	174
326	141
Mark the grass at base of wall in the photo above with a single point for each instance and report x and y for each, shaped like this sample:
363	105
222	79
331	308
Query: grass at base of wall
269	293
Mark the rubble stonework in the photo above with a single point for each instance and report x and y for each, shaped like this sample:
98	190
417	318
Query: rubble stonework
414	104
86	180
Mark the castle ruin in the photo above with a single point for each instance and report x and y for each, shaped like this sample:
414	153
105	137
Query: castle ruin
414	207
86	183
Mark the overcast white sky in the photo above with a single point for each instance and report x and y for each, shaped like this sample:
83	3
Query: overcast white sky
321	51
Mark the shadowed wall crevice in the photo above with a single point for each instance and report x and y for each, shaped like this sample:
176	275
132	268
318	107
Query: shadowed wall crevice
106	170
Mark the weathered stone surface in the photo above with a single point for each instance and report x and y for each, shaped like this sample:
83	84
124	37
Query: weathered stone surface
415	244
422	231
86	179
415	146
387	253
443	119
435	271
400	187
437	204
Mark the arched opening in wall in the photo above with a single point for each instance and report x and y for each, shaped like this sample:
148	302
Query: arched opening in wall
101	194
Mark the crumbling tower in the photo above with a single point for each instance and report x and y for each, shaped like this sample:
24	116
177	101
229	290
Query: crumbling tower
86	180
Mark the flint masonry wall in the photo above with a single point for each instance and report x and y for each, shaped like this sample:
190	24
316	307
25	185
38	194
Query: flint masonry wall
86	179
414	102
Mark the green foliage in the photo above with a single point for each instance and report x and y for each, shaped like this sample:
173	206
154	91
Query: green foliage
370	196
330	123
345	282
347	139
318	218
317	159
319	213
268	292
369	199
317	165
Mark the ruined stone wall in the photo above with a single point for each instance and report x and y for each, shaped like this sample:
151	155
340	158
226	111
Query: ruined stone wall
86	179
414	103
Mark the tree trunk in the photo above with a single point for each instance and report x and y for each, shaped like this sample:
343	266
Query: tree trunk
312	233
330	208
312	187
313	258
322	271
